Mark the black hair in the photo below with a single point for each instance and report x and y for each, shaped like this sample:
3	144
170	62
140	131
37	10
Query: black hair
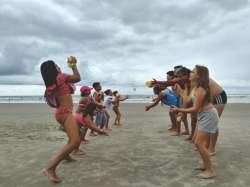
96	84
184	71
115	92
178	67
107	91
170	73
49	72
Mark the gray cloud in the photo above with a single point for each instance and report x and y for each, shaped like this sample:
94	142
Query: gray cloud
123	42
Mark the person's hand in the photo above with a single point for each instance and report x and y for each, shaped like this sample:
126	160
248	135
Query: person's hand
154	82
72	61
174	108
179	117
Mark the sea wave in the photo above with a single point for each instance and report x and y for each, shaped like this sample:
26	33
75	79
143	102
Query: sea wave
234	98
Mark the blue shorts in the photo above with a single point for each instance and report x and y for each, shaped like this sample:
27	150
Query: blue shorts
100	119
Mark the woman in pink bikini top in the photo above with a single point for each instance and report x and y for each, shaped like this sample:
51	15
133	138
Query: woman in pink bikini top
62	85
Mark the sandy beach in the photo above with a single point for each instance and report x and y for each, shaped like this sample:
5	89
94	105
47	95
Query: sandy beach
140	153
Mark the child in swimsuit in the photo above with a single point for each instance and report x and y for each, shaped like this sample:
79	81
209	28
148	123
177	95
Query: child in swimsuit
116	104
62	85
85	112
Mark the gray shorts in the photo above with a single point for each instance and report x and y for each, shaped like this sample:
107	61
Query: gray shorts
207	121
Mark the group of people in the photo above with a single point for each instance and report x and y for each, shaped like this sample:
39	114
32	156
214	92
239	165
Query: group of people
93	110
196	93
191	92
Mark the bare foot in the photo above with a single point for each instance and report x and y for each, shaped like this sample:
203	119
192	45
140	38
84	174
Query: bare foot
85	141
189	138
206	175
69	158
79	152
51	174
200	168
108	129
93	134
171	129
147	108
176	134
212	154
103	132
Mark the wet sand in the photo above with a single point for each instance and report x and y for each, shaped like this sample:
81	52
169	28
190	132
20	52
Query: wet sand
140	153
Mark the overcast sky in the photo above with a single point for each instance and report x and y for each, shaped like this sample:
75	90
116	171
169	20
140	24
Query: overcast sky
123	42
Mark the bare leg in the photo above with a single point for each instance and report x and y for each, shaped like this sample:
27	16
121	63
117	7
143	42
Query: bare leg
194	136
193	125
119	118
185	125
214	137
84	134
115	119
201	142
178	129
173	120
72	131
107	120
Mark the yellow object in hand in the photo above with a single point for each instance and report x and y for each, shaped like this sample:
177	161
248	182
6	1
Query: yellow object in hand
71	61
149	84
179	117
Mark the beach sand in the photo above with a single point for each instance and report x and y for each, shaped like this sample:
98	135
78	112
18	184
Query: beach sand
139	153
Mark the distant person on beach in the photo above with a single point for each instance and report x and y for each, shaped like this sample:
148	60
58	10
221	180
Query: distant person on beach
116	105
61	84
84	114
108	101
207	116
98	97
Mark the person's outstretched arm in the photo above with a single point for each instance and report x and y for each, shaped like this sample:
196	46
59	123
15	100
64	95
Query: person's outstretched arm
123	98
156	101
88	123
166	83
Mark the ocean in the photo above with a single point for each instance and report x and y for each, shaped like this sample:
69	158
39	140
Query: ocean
34	94
132	99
